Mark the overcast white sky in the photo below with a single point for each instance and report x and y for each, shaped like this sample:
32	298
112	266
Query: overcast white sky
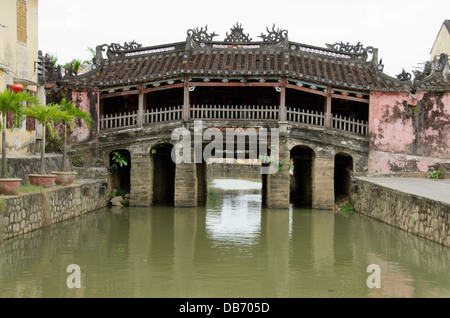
403	31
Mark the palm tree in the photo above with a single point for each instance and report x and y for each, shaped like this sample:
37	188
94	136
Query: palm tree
16	102
73	113
48	116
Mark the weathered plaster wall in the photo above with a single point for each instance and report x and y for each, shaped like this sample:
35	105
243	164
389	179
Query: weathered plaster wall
19	58
88	102
402	126
20	141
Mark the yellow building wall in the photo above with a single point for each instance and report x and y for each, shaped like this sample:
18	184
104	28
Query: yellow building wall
442	44
17	60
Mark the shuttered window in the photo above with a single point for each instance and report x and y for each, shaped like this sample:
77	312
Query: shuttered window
22	21
31	122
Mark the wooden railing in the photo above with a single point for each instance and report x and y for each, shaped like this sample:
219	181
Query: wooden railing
352	125
233	112
162	115
115	121
308	117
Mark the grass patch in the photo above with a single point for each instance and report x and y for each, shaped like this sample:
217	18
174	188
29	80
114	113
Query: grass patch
347	208
31	189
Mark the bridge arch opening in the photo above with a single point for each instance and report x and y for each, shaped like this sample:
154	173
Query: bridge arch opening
120	170
343	170
163	173
301	176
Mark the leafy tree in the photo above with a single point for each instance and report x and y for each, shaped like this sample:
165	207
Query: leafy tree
48	116
16	102
72	113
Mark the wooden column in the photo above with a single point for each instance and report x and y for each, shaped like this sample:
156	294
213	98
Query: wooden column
283	111
99	110
140	114
327	110
186	106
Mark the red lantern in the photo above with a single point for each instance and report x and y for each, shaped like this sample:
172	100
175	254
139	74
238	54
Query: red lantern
17	88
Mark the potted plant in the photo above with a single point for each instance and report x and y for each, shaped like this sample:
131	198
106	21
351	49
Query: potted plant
48	116
66	177
12	100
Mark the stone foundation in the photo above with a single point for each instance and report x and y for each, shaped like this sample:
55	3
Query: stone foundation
417	215
27	212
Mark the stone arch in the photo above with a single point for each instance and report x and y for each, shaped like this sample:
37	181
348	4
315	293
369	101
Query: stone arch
343	175
163	180
301	174
119	170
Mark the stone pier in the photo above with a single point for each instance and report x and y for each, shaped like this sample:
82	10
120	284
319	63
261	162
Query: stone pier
277	185
186	185
141	192
323	182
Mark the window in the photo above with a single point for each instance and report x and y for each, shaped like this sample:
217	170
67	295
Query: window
30	122
22	21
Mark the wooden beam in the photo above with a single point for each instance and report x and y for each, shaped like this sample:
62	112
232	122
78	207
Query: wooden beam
355	99
304	89
233	84
161	88
116	94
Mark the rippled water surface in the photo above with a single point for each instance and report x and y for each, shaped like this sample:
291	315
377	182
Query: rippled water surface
231	247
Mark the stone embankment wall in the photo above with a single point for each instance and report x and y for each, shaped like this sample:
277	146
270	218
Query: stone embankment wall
417	215
22	166
27	212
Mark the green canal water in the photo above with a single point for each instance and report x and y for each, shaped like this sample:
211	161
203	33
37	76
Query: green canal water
231	247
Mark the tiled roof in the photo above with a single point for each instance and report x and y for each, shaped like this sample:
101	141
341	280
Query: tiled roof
340	65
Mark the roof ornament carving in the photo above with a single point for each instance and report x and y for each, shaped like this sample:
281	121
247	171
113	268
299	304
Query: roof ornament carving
237	35
201	35
440	62
404	76
358	51
274	35
115	50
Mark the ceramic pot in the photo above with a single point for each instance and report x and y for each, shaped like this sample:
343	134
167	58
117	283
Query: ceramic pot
9	186
44	180
64	178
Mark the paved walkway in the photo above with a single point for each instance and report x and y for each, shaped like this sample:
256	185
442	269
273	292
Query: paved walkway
438	190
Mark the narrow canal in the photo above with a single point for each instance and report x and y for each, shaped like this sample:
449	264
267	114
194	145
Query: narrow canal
231	247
